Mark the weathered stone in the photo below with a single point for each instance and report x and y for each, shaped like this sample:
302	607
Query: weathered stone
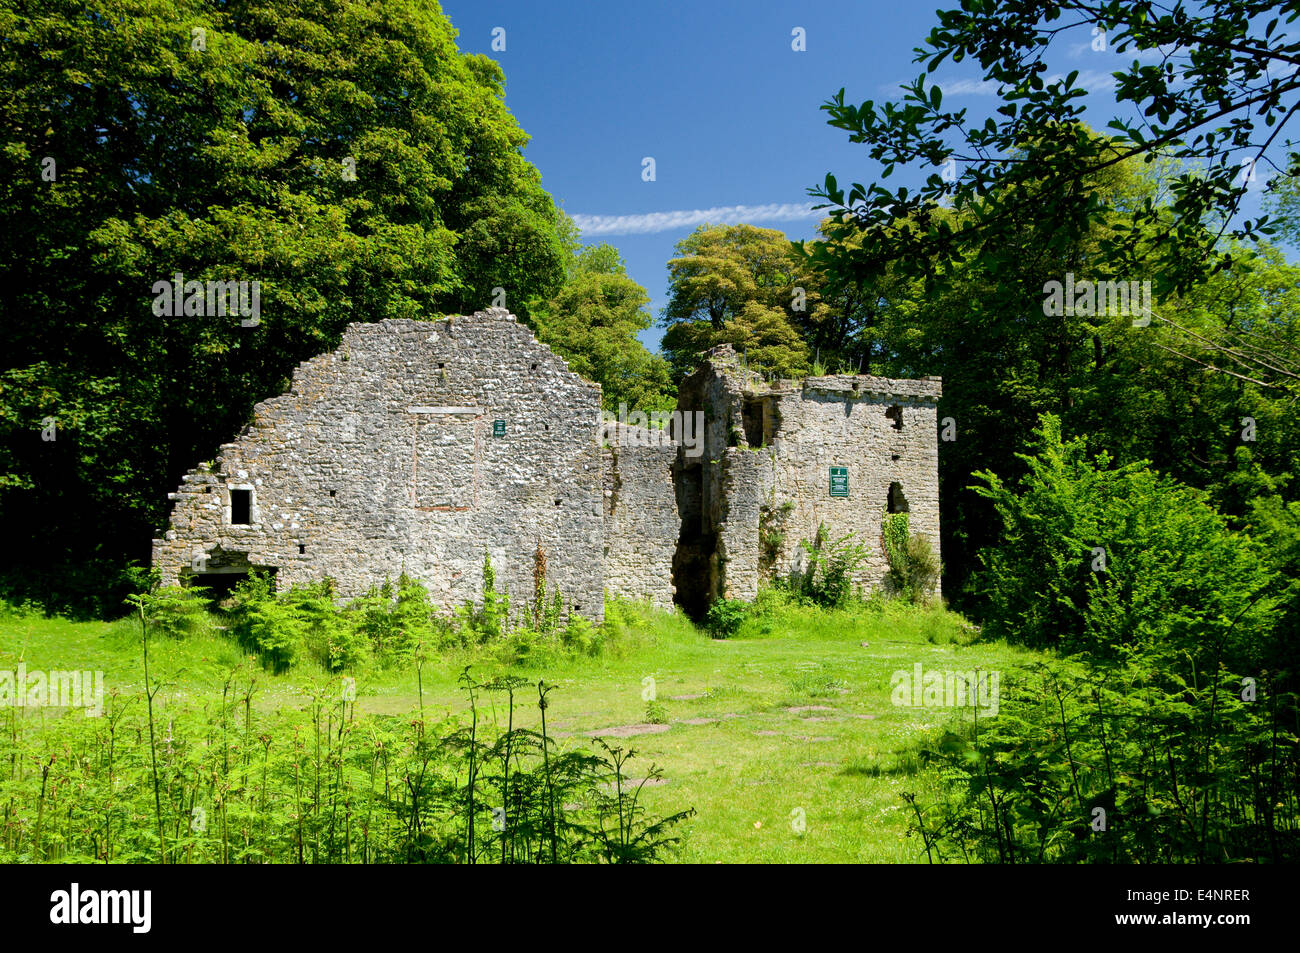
382	459
641	517
763	482
417	446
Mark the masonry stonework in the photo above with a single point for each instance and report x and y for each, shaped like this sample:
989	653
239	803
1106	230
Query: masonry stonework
764	481
415	447
418	447
641	519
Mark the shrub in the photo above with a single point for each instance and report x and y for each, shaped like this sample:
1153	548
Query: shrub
828	578
725	616
178	611
580	636
1175	771
273	629
913	567
372	617
1096	559
327	634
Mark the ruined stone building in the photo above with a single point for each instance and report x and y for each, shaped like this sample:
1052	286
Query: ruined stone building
419	446
782	458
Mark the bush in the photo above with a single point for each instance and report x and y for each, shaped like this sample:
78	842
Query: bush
327	636
1178	772
20	610
1098	559
178	611
828	579
913	567
580	636
262	623
391	625
725	616
490	620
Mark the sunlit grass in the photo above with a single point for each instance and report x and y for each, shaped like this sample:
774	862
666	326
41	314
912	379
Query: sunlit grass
821	783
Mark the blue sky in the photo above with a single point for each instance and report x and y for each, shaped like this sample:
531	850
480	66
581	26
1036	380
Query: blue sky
717	96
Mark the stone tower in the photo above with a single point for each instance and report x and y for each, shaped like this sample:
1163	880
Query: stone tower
782	458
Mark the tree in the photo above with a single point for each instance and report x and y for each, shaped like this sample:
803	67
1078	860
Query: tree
1214	87
767	339
345	156
1095	558
592	322
1137	392
731	283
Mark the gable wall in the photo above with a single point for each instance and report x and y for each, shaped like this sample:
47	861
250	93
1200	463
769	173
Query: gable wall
420	482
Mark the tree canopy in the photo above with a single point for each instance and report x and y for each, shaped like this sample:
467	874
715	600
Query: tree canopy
733	284
1210	87
346	156
592	322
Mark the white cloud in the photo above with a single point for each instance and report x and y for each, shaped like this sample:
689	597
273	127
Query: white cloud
968	87
647	222
1090	79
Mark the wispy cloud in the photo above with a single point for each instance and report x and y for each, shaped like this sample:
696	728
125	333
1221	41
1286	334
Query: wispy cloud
1091	80
647	222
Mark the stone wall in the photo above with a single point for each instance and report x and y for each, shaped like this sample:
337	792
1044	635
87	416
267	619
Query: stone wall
842	421
764	480
413	447
641	519
417	446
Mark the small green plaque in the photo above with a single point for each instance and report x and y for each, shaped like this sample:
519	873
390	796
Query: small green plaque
839	481
498	428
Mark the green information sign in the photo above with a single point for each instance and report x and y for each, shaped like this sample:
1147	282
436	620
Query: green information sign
498	428
839	481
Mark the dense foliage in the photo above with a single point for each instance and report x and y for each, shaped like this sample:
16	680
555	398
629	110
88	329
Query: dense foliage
325	784
1210	87
593	320
1131	762
1170	735
734	284
345	155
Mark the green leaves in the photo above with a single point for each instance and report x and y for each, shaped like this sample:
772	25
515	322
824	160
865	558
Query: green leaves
1123	763
734	284
345	156
1095	559
593	320
1193	114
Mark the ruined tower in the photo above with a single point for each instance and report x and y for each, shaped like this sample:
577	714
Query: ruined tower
780	458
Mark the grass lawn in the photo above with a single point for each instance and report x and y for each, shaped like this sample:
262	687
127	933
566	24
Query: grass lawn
789	720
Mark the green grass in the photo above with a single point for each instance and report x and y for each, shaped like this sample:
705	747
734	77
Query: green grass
748	765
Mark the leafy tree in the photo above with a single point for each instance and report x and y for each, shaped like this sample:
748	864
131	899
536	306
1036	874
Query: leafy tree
592	322
1004	359
826	578
346	156
1214	87
1168	392
721	268
1099	559
732	284
841	318
767	339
